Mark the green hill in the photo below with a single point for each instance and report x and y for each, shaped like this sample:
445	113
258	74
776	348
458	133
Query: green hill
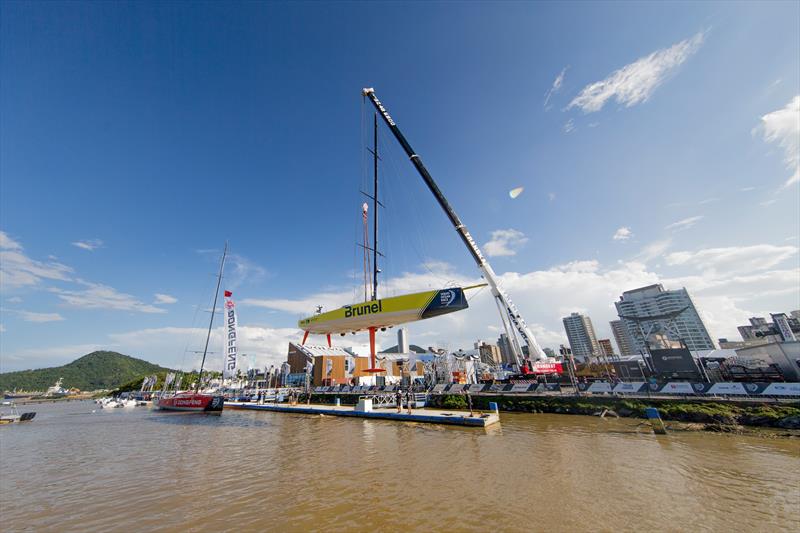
97	370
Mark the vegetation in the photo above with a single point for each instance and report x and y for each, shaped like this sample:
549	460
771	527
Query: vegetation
698	411
97	370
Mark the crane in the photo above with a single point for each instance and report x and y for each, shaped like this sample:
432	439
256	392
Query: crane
509	315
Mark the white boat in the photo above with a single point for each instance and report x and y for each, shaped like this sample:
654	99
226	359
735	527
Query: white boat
12	416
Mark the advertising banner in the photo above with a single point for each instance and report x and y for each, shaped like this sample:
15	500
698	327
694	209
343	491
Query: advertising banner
521	387
677	387
476	387
439	388
599	386
782	389
230	351
728	388
630	388
548	387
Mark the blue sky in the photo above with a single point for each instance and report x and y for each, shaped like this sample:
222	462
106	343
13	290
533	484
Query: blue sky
135	138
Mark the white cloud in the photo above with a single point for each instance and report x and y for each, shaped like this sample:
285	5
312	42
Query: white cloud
165	299
636	82
783	127
263	345
551	196
89	244
569	126
14	300
708	201
767	203
746	189
505	242
7	243
685	223
19	270
30	316
734	259
623	234
98	296
557	83
653	250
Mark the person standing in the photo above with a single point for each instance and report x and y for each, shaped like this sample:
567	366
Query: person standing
399	399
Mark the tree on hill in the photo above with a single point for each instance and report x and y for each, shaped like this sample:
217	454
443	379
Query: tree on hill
97	370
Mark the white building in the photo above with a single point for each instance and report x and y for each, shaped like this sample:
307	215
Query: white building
653	309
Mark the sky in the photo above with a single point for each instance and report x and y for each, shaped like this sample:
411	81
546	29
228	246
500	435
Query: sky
655	142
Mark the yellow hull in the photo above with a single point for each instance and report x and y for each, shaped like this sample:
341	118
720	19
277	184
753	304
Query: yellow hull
386	312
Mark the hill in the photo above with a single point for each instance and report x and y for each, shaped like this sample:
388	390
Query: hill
97	370
412	347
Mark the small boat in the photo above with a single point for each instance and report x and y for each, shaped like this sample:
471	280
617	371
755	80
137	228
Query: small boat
13	416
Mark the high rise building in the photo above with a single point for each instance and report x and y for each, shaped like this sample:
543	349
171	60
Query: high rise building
490	354
622	337
506	352
402	341
580	334
605	347
652	310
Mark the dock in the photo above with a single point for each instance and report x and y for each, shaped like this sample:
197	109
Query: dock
427	416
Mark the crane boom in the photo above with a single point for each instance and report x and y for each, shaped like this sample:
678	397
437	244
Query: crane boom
502	299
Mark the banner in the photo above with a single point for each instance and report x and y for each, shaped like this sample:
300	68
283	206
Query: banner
230	351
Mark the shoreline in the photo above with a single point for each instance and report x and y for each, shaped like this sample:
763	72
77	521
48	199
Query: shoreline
718	416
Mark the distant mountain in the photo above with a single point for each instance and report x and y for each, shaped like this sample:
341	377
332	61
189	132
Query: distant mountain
412	347
97	370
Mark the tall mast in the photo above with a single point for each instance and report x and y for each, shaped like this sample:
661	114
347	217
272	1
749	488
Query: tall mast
375	210
213	312
503	301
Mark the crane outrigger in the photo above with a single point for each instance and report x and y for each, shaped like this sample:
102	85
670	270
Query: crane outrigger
512	320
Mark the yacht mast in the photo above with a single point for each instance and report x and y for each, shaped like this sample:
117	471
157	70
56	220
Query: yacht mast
213	312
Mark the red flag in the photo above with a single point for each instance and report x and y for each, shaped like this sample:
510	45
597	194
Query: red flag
228	294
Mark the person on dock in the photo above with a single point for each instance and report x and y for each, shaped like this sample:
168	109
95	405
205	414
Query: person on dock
469	401
399	399
409	397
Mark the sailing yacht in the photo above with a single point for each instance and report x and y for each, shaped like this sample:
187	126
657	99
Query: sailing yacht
196	401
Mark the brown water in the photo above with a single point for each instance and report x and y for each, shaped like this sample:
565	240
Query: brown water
140	470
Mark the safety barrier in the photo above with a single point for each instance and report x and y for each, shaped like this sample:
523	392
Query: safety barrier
680	388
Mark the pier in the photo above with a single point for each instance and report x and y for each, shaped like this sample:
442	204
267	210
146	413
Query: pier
428	416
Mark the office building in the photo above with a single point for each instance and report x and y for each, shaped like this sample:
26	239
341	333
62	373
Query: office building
506	351
622	337
581	336
652	309
605	347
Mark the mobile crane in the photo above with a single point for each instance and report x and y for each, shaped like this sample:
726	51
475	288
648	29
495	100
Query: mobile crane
536	362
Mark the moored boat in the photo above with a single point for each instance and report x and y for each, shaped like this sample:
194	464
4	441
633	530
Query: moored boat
195	401
191	402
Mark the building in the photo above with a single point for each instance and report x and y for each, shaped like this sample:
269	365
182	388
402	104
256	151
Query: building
549	352
605	347
506	351
581	336
489	354
622	337
402	341
759	331
786	355
653	309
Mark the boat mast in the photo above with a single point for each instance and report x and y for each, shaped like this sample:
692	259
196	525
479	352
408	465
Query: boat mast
375	269
213	312
503	301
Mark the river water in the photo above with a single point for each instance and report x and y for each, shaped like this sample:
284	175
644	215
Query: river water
72	469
